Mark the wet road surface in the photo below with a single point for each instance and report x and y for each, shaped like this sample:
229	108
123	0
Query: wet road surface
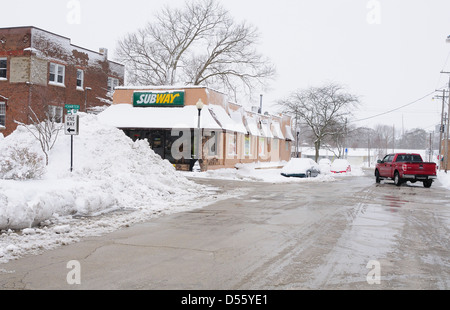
348	234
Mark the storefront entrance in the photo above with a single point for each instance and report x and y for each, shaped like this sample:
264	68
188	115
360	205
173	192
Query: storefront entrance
161	140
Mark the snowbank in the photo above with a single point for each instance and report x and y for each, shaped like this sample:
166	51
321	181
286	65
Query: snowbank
111	172
444	179
256	172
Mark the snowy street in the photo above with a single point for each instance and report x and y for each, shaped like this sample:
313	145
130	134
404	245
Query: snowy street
349	233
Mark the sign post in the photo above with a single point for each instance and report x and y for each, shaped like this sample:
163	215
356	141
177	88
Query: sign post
71	127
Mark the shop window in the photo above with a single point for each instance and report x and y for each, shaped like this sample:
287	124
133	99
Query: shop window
80	79
232	144
211	143
247	146
112	84
55	114
57	74
3	68
275	144
2	114
261	146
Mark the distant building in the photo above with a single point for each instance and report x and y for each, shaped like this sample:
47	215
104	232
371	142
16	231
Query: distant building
41	72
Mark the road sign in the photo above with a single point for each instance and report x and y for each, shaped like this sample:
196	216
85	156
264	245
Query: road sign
71	125
72	107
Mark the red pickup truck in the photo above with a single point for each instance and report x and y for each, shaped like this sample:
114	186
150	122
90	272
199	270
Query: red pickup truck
403	167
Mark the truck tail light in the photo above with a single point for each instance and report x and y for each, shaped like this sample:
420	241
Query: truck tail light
404	167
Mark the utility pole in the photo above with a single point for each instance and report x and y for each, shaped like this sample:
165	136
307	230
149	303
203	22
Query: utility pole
447	131
442	127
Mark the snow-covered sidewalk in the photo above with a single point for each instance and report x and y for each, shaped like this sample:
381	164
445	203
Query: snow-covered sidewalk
267	172
115	183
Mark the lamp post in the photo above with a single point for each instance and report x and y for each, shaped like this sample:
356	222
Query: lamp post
199	106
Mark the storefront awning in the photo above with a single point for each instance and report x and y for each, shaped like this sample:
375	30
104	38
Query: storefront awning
252	126
265	127
277	130
289	135
224	120
127	116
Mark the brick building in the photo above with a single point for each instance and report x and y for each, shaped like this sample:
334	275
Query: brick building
41	72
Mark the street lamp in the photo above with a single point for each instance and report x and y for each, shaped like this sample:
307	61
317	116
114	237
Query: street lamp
199	106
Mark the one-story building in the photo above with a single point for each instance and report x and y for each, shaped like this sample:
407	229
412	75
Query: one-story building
170	119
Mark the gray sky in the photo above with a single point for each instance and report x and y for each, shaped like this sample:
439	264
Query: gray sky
390	53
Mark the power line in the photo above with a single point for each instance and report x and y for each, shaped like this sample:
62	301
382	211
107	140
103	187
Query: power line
396	109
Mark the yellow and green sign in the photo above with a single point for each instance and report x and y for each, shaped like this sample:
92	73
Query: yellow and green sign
149	99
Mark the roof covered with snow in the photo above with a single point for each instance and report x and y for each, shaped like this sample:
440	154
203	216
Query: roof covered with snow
127	116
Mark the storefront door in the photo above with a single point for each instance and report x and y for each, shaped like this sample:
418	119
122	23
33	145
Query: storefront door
157	143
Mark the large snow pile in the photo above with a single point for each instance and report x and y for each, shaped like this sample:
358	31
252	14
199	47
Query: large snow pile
110	172
444	178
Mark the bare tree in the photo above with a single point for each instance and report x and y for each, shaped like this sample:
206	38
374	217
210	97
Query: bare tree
321	109
199	44
337	140
46	131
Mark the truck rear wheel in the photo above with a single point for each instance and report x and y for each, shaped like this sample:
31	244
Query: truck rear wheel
397	180
427	183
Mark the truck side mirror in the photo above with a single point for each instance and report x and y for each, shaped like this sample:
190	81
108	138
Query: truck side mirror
379	161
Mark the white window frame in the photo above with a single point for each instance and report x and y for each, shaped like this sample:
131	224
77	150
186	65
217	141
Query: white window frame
55	113
112	83
82	80
57	74
3	113
4	69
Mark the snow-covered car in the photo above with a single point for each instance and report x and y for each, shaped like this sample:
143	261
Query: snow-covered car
341	166
301	168
325	165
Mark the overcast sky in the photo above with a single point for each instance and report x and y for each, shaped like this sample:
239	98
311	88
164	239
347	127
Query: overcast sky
390	53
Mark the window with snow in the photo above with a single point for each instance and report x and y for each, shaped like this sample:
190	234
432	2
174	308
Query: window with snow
55	113
2	114
3	68
112	83
80	78
57	74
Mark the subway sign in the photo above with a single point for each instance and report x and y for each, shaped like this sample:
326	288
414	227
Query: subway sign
149	99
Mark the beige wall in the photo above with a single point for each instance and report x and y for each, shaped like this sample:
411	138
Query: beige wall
224	158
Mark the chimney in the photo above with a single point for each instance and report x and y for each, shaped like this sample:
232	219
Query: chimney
104	52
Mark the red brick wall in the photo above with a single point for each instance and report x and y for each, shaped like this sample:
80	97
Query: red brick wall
21	95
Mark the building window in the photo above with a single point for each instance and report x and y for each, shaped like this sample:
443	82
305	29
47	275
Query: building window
112	83
211	143
261	150
55	113
232	143
3	68
247	146
2	114
80	78
57	73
